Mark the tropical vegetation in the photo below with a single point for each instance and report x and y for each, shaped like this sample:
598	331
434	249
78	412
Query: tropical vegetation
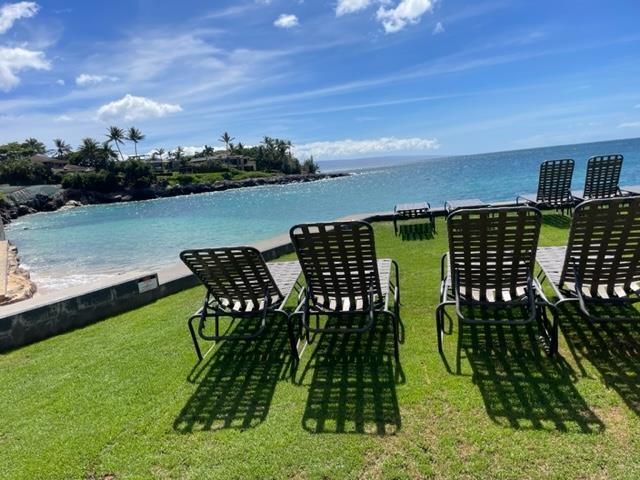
107	168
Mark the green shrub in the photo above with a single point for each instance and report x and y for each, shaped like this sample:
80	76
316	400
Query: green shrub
101	181
24	172
136	174
184	179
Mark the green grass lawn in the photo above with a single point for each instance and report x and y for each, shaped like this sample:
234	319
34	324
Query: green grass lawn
122	397
211	177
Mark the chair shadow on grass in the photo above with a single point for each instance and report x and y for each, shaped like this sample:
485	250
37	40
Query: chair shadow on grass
236	382
557	220
521	386
353	383
612	348
415	231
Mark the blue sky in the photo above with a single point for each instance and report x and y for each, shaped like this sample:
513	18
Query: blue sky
339	78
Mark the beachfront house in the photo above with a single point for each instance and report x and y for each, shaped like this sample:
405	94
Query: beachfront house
52	163
241	162
70	168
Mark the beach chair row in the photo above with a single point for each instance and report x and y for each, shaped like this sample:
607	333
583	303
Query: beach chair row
342	275
554	183
488	276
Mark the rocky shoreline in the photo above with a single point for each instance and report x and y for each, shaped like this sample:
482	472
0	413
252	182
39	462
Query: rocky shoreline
48	198
19	284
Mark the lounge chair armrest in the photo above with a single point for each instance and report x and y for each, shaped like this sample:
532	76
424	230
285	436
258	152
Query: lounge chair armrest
540	292
444	266
395	285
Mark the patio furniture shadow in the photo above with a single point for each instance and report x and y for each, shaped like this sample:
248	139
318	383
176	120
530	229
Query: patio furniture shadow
236	383
353	383
612	348
556	220
415	231
521	387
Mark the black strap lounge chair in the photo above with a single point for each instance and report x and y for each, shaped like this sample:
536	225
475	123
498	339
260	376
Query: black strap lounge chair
239	285
488	273
603	175
554	186
344	277
600	266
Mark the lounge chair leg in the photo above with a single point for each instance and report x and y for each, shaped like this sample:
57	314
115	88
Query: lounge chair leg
396	336
439	327
554	334
292	338
193	336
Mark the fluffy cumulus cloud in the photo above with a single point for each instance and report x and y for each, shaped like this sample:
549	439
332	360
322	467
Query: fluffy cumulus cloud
394	15
350	6
11	12
13	60
286	21
348	148
404	13
16	59
85	79
130	108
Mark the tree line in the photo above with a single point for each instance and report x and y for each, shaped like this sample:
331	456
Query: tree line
113	170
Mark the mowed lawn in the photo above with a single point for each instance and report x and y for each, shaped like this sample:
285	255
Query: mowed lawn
122	399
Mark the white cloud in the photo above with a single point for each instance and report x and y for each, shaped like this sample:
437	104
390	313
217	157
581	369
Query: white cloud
629	125
286	21
350	6
13	60
348	147
406	12
63	118
438	29
189	151
85	79
11	12
131	108
60	82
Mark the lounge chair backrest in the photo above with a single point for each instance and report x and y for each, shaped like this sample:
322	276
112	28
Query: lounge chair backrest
338	261
231	275
604	244
603	175
554	184
492	251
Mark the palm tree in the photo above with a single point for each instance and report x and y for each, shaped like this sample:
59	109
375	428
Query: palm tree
178	157
134	135
207	151
62	147
109	152
240	147
226	139
158	152
88	150
33	146
116	135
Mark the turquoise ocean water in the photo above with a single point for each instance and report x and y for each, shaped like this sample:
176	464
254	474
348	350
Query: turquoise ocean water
77	246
